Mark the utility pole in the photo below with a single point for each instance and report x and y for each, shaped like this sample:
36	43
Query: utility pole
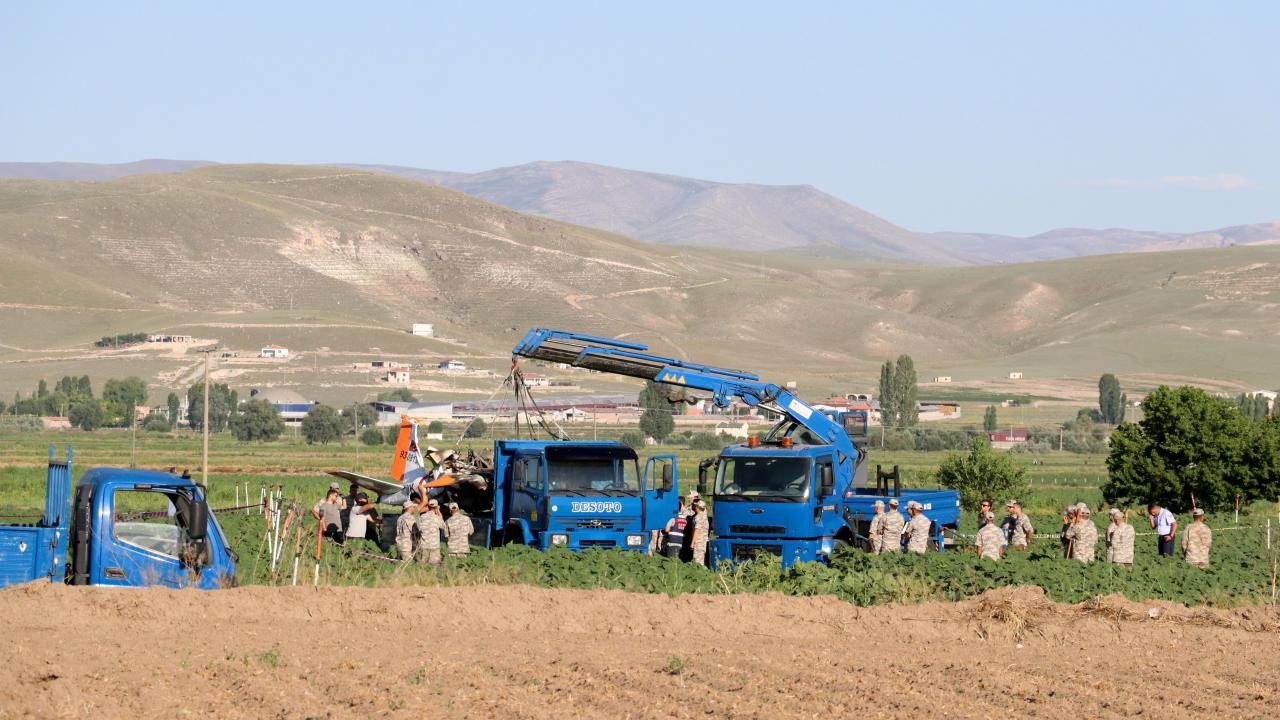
204	455
355	429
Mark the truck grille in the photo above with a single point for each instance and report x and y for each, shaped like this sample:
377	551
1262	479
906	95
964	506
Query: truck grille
597	543
595	524
749	552
757	529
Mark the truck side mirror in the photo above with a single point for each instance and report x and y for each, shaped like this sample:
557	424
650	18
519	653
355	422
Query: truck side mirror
826	480
198	528
668	477
702	474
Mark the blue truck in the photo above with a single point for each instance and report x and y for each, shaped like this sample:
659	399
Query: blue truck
800	492
571	494
122	528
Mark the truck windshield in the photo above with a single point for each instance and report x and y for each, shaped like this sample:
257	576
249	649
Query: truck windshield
784	479
593	476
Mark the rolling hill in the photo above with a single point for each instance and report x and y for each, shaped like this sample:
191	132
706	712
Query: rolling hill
336	263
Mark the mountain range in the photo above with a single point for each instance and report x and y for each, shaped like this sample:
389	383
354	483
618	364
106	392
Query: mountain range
668	209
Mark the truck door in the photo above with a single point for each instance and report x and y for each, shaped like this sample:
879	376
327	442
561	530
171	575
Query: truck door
825	497
523	499
140	541
661	488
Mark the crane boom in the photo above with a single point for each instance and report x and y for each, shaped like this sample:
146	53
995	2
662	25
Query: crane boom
619	357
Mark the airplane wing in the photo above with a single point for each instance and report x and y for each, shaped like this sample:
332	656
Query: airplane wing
372	484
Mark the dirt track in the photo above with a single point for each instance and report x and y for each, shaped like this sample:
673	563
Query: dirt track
524	652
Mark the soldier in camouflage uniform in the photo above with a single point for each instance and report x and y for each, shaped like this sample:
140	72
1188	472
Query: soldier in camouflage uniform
404	531
917	529
891	529
1083	535
990	542
1019	527
875	538
1119	540
460	529
1196	540
430	523
700	533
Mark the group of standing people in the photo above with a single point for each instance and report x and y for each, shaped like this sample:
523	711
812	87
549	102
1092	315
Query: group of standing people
890	532
686	534
420	531
1080	536
347	517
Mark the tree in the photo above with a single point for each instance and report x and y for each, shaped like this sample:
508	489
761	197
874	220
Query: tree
257	420
435	426
371	436
982	473
989	419
42	389
887	405
173	408
905	393
222	403
632	439
476	428
86	416
656	422
322	425
123	397
1110	400
706	441
156	422
1190	443
365	416
398	395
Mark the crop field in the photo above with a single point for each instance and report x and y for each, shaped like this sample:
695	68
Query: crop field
1244	570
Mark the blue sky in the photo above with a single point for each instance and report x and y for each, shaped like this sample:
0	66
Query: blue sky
984	116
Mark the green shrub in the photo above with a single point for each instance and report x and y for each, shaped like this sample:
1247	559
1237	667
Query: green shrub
371	436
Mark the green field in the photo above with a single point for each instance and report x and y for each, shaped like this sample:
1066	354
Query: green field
1243	571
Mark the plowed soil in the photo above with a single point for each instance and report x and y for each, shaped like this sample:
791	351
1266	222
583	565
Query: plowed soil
522	652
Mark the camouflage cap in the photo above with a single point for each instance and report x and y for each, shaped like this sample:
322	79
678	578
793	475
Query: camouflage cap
1011	503
1084	510
1115	512
1198	512
334	486
409	504
878	503
893	502
988	515
433	503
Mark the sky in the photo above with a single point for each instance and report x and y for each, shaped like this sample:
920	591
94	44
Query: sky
1002	117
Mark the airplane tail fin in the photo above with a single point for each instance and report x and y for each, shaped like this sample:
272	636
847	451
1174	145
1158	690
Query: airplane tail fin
408	464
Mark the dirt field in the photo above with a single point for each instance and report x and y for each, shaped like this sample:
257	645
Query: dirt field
522	652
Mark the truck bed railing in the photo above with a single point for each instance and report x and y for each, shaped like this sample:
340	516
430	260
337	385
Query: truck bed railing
57	494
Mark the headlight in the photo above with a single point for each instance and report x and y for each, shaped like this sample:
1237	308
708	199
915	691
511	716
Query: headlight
559	539
635	540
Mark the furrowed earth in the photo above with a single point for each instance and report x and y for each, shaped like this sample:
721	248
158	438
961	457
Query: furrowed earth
524	652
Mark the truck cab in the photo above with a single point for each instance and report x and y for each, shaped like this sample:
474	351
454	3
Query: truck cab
124	528
579	495
787	495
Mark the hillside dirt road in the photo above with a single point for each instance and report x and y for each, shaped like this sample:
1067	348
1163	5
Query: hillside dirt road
522	652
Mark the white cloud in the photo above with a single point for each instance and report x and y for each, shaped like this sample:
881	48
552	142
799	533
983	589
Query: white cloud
1221	181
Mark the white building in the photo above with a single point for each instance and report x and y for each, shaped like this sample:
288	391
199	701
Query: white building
1015	375
423	329
398	376
274	351
456	365
532	380
942	379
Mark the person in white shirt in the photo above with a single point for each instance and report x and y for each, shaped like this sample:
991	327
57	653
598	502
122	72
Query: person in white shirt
1166	527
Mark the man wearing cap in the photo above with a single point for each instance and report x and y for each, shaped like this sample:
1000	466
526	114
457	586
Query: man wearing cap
1083	535
430	524
1196	540
891	529
1017	527
1166	527
983	508
875	536
404	530
1068	519
917	529
701	529
1119	540
363	520
329	513
460	529
990	542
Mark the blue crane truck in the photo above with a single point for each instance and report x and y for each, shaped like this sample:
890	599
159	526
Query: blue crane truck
122	528
799	493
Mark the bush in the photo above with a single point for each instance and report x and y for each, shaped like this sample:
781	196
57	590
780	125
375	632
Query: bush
435	426
371	436
86	416
322	425
393	434
257	420
477	428
983	473
633	439
899	440
706	441
156	422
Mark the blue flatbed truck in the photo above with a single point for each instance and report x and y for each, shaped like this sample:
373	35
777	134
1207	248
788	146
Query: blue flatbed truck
799	493
121	528
572	494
